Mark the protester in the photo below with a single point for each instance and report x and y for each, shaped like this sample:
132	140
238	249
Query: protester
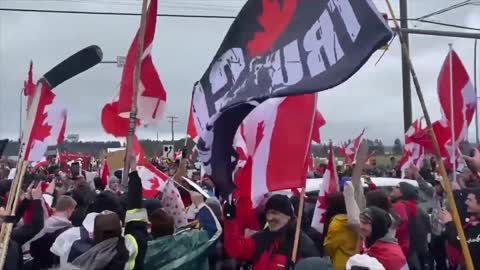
374	227
271	248
187	249
54	226
21	234
471	229
380	199
112	249
413	232
341	241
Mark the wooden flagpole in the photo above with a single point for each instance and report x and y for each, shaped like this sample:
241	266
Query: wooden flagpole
298	228
443	172
133	112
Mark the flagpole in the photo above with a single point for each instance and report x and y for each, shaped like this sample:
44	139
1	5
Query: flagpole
133	112
443	172
452	119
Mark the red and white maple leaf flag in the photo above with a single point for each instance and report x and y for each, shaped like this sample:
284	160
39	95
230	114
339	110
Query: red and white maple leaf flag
46	123
270	162
152	96
413	153
153	180
327	186
350	151
464	106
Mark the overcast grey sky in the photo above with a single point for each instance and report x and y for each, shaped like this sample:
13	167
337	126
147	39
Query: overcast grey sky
372	98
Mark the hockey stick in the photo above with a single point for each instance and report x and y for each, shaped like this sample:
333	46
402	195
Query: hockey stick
70	67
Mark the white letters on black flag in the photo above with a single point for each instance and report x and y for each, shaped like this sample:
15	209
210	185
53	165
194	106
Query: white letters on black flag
296	47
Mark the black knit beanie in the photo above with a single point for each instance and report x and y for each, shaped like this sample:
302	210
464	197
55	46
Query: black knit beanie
280	203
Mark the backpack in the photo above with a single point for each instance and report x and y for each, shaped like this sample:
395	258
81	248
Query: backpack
419	228
81	245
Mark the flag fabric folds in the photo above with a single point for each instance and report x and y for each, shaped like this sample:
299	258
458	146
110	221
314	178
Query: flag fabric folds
277	50
453	74
328	185
151	98
350	151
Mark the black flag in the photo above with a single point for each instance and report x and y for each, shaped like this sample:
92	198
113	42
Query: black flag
279	48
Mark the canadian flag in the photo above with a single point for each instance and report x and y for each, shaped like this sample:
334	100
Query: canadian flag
350	151
453	81
267	161
46	123
151	97
153	180
327	186
413	153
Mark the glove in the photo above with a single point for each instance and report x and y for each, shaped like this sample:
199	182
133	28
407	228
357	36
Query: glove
230	210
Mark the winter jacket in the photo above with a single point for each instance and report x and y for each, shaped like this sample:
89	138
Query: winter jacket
22	234
41	243
266	250
472	234
388	253
341	242
187	250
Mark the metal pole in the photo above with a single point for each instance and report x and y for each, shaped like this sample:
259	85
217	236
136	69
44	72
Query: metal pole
438	33
476	91
20	117
172	120
407	92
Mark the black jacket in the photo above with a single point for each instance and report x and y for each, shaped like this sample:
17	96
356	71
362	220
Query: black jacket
472	234
22	234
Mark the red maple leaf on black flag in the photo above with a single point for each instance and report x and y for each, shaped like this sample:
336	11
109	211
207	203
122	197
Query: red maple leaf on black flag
275	17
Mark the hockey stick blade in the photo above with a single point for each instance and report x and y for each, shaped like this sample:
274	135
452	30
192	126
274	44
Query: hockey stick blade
73	65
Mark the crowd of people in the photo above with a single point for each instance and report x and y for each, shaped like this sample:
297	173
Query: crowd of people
65	222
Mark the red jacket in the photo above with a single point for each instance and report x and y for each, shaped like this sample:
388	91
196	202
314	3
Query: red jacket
273	258
389	254
403	234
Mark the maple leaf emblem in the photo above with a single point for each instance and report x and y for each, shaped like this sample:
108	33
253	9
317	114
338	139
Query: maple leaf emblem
274	20
154	188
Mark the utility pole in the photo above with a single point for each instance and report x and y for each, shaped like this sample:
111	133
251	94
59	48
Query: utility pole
407	92
172	120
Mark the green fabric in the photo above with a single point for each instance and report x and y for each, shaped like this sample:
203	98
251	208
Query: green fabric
186	251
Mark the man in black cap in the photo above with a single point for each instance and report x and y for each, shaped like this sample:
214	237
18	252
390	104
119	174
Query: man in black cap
271	248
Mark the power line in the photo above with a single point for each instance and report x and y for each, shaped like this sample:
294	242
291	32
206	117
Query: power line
115	13
447	9
186	15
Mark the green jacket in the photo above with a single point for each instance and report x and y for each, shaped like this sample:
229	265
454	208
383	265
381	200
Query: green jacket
185	251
